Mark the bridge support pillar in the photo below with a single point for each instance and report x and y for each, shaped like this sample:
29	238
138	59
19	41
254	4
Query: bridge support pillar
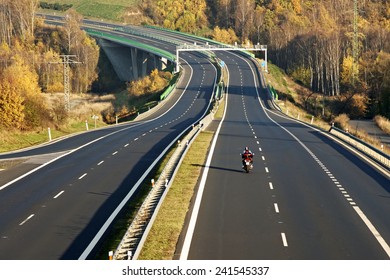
131	63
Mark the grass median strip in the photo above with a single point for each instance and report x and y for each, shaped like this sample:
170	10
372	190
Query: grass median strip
164	234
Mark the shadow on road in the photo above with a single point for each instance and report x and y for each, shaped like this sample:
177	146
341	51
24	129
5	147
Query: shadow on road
220	168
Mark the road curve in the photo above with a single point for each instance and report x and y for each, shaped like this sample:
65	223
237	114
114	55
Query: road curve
307	198
53	210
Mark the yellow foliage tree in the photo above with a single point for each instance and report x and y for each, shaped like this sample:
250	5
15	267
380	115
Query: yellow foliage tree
227	36
348	71
21	77
11	106
25	84
155	82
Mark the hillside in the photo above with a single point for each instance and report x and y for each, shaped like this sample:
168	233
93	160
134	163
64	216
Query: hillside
340	49
113	10
337	53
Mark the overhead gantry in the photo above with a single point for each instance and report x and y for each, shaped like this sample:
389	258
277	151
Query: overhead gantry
207	47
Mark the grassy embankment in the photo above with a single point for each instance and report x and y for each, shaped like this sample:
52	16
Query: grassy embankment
106	9
292	102
164	234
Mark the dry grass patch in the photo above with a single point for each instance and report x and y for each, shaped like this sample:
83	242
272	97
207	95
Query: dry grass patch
164	234
383	124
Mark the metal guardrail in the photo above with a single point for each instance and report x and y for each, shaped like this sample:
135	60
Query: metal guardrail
132	242
369	150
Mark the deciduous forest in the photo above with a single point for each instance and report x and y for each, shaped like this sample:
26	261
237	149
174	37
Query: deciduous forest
30	64
339	49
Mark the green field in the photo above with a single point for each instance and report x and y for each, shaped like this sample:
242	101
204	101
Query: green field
106	9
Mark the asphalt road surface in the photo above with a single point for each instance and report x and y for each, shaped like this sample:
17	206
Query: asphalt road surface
55	209
307	197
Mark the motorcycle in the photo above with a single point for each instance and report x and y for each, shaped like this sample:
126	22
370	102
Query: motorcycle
247	163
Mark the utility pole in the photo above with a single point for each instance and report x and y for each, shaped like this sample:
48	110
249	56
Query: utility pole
66	60
355	43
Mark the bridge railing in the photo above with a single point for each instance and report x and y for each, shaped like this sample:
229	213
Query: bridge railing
133	43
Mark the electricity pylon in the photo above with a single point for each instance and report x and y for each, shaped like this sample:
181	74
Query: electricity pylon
66	60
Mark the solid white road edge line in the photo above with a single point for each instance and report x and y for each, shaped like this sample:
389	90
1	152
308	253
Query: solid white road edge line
371	227
100	233
373	230
194	215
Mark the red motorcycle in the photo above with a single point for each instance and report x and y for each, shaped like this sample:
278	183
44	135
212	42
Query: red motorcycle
248	164
247	160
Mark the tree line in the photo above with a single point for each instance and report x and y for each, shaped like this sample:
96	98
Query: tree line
330	46
31	64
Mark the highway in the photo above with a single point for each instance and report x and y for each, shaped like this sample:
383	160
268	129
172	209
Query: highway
308	198
55	209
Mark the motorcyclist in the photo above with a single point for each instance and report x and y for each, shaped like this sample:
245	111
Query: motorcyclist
246	154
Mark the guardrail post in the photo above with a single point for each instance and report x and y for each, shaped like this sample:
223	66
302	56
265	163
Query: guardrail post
129	255
86	125
111	255
49	132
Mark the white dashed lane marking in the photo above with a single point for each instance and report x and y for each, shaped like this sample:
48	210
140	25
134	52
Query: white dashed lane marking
284	239
61	192
28	218
276	207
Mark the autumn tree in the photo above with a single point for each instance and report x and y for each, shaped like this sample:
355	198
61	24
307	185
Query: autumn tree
72	29
155	82
11	106
84	74
244	13
17	18
24	81
182	15
227	36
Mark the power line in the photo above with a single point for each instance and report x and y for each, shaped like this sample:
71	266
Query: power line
355	42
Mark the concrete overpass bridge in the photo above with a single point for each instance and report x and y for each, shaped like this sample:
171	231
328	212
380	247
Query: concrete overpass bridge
131	59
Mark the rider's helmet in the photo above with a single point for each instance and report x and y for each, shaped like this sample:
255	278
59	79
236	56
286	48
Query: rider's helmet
246	149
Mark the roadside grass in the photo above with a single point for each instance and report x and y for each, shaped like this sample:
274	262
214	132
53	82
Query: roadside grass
14	140
85	106
164	234
383	123
106	9
221	107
